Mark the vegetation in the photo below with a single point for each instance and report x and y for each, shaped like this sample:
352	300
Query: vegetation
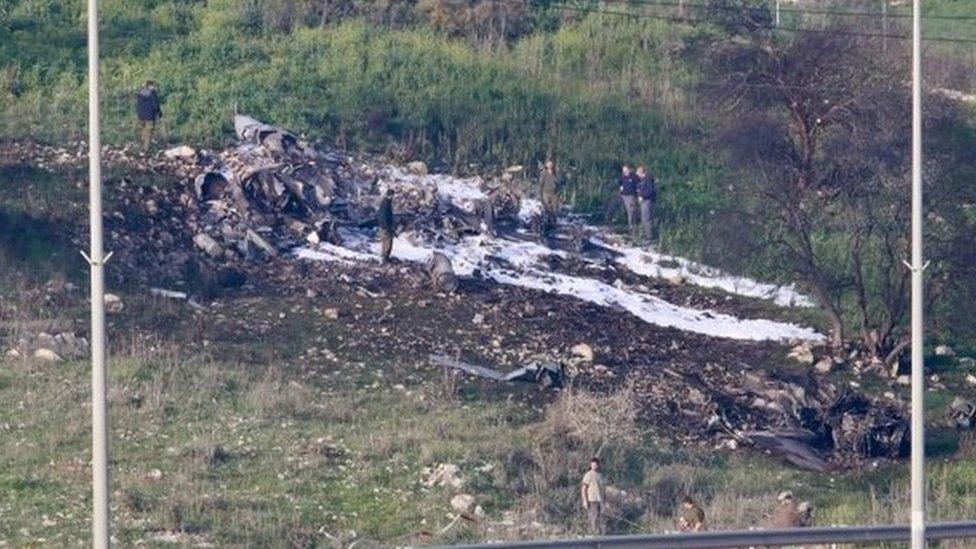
202	438
820	133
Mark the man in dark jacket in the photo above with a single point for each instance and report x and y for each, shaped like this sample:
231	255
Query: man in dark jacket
149	111
628	194
646	194
387	226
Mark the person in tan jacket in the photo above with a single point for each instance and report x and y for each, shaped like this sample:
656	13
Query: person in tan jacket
593	491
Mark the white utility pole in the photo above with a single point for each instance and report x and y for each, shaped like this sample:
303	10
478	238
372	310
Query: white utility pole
100	509
918	335
777	13
884	25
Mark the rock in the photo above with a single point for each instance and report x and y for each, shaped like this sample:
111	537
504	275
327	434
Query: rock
824	366
583	351
206	243
463	503
113	304
676	279
971	379
445	474
903	380
313	238
331	313
802	354
479	512
155	475
418	167
442	273
182	153
47	355
13	353
963	413
944	350
478	319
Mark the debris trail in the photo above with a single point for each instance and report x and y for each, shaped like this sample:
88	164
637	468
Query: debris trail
519	263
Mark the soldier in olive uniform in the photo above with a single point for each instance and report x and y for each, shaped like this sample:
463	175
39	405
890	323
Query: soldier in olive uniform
386	224
691	517
549	183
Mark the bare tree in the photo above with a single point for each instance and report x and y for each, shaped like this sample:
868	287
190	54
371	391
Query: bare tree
817	130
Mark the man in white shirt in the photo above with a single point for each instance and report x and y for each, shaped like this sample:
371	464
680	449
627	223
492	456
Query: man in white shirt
593	491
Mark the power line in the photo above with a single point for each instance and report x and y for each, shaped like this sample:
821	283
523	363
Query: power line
559	4
805	11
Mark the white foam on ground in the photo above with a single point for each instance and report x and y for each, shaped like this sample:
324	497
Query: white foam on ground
464	192
521	265
656	265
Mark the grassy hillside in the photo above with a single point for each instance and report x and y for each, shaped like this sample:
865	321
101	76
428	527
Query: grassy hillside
261	422
578	94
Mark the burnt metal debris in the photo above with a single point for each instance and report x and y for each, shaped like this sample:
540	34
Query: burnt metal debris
239	212
545	374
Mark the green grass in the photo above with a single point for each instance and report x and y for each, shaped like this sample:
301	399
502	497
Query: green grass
254	451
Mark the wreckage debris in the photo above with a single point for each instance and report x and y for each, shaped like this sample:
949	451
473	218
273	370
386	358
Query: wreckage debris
962	413
273	193
442	273
545	374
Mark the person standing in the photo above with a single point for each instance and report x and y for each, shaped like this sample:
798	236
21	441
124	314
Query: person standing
149	110
593	491
646	195
385	221
549	194
628	194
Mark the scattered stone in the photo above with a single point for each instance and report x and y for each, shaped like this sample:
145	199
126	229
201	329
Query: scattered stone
47	355
824	366
155	475
446	475
583	351
478	319
417	167
676	279
442	273
971	379
331	313
903	380
944	350
182	152
802	354
113	304
963	413
463	503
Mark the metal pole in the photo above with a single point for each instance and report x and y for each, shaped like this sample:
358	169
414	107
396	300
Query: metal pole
100	508
777	13
884	25
918	336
